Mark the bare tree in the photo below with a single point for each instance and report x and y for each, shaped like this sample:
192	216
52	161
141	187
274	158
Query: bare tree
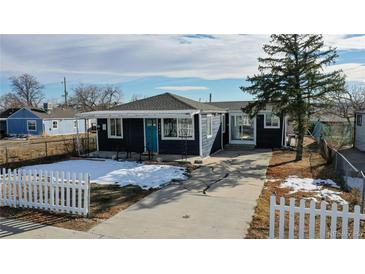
110	96
136	97
27	89
345	104
9	100
91	97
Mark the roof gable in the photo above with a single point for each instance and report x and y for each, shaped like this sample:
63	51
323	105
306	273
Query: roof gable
24	113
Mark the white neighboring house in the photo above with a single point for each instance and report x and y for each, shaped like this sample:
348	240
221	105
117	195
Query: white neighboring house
360	130
62	121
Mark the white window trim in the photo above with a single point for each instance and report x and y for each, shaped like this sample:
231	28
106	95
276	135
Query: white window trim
177	124
211	126
265	126
109	129
223	123
35	121
52	124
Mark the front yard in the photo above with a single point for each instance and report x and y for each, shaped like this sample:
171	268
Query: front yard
115	186
311	179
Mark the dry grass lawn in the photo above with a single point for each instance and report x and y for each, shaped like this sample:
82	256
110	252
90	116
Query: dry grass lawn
281	166
105	202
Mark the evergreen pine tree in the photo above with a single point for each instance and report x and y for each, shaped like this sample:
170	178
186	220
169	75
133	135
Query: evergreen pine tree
293	77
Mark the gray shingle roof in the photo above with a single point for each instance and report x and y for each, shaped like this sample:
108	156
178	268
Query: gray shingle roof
231	105
167	101
54	113
8	112
57	113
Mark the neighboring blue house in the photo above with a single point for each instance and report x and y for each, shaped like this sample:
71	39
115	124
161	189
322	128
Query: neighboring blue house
31	121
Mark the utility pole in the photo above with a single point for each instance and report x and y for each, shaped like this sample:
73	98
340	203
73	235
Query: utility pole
65	91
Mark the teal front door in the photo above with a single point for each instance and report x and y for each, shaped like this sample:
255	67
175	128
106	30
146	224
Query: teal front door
151	135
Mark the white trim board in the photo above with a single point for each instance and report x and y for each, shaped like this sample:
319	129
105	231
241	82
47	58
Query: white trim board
211	126
35	123
139	114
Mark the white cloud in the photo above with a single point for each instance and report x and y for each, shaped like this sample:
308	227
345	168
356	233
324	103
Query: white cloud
182	88
353	71
114	57
344	42
226	56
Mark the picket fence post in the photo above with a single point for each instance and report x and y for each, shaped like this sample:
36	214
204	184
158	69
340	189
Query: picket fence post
334	213
45	190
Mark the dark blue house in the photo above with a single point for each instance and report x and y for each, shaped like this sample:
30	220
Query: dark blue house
171	124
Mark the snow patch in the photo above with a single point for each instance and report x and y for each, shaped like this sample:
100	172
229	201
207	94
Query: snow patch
316	186
121	173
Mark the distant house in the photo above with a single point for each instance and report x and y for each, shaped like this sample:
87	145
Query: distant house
331	127
360	130
172	124
32	121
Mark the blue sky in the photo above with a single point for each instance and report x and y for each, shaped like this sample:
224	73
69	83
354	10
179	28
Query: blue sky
188	65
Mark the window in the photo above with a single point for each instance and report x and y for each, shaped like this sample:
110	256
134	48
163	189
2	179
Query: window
223	123
359	120
115	128
185	127
55	124
246	121
170	128
177	128
209	126
32	125
75	123
271	121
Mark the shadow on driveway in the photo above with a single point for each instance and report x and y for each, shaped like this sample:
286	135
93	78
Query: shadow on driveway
10	227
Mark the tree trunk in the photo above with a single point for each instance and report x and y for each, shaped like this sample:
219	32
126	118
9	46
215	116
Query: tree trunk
301	132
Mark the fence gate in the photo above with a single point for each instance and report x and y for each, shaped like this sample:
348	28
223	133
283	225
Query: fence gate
292	226
47	190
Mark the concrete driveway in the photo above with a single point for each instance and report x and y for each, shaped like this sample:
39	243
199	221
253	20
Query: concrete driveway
218	201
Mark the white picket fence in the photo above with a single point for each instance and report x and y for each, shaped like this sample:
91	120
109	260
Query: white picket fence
353	218
51	191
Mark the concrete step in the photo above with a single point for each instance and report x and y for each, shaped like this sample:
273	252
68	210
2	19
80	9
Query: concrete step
236	147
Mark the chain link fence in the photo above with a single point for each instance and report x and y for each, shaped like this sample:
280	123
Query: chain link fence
351	177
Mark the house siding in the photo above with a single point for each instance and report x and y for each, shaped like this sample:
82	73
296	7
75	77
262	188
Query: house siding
268	137
133	136
65	126
360	133
213	144
17	123
191	147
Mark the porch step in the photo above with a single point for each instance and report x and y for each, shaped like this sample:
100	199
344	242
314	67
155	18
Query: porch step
235	147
